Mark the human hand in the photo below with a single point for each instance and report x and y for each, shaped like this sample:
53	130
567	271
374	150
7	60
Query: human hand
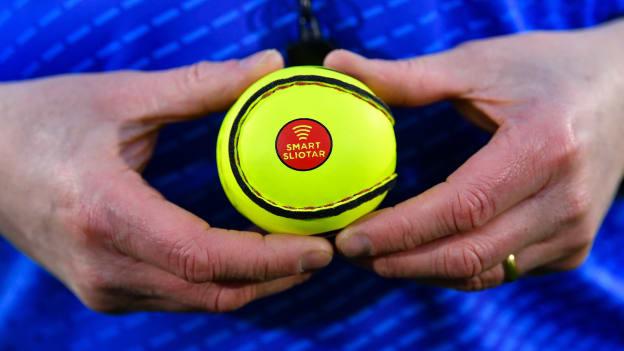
72	198
539	189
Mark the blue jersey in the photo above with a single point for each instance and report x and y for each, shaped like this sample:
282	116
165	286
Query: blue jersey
343	307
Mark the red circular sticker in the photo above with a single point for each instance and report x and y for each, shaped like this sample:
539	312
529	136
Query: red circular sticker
303	144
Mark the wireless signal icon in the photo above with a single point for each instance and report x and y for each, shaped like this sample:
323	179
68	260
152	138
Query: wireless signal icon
302	131
303	144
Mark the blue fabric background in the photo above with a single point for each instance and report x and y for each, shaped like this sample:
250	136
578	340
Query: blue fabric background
343	307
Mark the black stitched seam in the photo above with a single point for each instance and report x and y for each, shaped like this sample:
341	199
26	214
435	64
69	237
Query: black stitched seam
279	211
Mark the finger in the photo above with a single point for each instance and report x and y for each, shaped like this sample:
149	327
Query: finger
567	263
116	304
412	82
468	255
569	251
140	223
190	91
151	304
231	297
158	286
489	279
545	257
144	287
504	172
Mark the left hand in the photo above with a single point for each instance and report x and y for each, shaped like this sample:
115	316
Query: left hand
539	189
73	199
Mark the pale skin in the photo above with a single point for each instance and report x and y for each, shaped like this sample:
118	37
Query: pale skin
539	189
72	149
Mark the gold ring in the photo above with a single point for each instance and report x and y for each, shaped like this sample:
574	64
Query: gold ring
511	268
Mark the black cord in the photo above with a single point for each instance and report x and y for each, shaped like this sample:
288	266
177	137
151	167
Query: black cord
308	24
311	48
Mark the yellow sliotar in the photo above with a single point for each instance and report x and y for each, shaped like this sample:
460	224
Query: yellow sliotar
306	150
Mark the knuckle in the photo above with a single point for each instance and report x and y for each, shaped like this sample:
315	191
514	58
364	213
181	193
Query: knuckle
412	68
473	284
586	235
486	280
100	219
580	240
94	225
67	208
201	72
577	205
192	263
401	230
97	290
261	269
409	240
565	148
204	76
479	283
570	265
264	268
264	271
226	300
263	264
574	261
406	231
483	281
471	208
195	74
98	304
460	262
102	303
385	267
91	279
90	220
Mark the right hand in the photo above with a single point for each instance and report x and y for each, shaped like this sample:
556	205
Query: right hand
541	186
72	198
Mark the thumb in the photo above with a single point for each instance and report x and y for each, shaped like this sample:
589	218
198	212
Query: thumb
139	222
412	82
195	90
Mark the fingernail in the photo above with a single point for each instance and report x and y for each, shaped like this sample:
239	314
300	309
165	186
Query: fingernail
259	58
354	244
314	260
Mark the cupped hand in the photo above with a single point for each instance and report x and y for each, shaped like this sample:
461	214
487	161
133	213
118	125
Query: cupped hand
539	189
71	149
